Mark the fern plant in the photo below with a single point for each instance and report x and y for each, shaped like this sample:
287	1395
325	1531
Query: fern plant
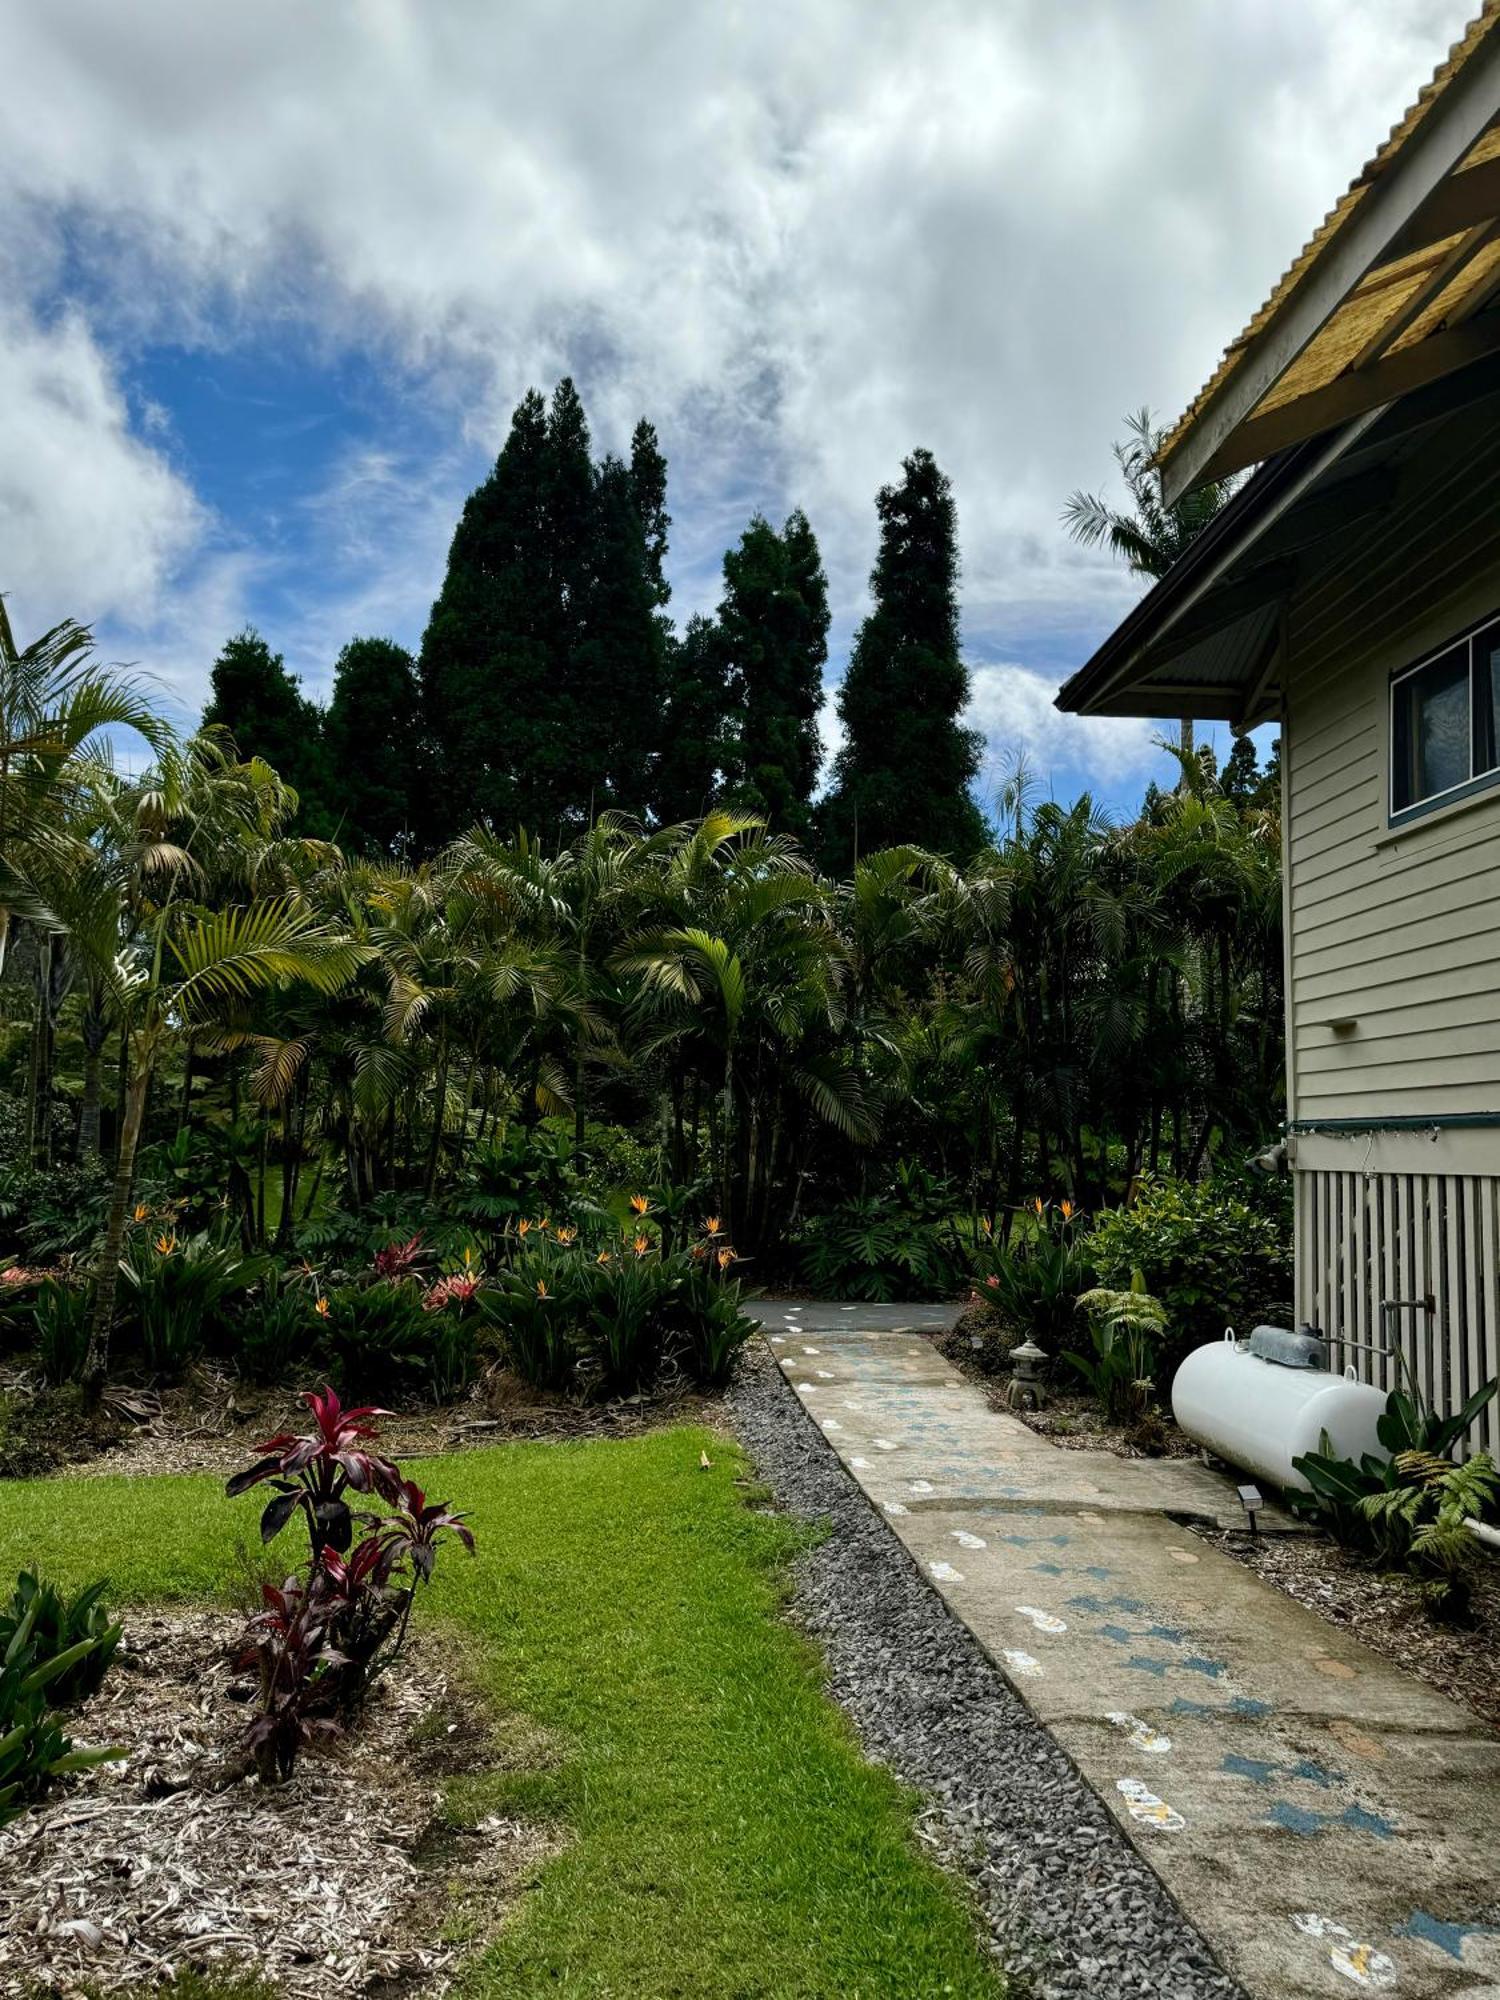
1126	1328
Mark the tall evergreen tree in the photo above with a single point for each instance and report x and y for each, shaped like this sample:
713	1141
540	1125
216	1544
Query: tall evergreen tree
694	724
541	662
904	772
375	745
773	628
252	695
648	483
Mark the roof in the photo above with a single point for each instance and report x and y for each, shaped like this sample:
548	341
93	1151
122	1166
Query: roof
1390	292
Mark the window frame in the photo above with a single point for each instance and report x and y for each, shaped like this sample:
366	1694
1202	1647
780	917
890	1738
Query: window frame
1476	782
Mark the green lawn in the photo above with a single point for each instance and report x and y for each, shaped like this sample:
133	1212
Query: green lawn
727	1838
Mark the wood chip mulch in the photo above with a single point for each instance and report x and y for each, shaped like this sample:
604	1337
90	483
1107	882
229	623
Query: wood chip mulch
342	1880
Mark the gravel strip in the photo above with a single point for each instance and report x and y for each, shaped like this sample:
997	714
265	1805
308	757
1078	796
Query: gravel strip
1070	1907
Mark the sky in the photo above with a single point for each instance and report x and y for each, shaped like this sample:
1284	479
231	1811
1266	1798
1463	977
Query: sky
272	279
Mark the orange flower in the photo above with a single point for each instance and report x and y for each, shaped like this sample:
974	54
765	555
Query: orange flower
1067	1211
320	1307
726	1258
141	1211
544	1225
700	1250
639	1203
602	1258
565	1235
1038	1204
711	1227
166	1244
541	1288
523	1228
641	1245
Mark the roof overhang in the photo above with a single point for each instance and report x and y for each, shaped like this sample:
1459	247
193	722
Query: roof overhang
1392	293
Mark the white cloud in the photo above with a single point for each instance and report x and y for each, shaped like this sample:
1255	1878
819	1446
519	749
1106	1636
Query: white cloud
1013	705
804	236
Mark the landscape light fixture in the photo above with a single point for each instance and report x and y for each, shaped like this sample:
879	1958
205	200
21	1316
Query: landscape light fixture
1250	1500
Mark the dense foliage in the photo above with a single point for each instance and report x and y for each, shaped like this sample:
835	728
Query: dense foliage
54	1652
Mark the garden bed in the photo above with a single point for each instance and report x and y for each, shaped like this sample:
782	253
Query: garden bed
348	1877
206	1422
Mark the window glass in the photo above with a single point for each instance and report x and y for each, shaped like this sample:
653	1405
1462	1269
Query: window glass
1431	736
1487	700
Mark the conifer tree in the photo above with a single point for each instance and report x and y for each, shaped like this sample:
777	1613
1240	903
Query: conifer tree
618	657
773	628
904	772
488	653
375	744
648	484
252	695
694	725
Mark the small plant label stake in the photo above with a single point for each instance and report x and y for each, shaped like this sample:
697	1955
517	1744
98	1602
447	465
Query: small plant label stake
1147	1808
1360	1963
1140	1734
1042	1620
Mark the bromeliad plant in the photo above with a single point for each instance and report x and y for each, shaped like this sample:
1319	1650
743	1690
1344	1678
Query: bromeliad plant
323	1636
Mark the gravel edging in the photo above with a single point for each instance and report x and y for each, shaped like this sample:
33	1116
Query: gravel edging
1071	1909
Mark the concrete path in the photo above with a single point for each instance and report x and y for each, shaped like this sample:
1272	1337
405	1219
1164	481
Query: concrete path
1325	1820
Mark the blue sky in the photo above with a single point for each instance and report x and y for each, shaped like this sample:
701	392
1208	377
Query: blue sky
271	283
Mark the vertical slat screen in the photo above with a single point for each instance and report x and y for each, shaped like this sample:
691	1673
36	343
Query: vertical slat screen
1363	1238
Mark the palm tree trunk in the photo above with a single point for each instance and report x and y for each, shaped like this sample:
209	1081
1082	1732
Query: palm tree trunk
93	1092
107	1272
440	1105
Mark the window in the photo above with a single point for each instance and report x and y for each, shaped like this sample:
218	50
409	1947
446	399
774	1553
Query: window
1445	725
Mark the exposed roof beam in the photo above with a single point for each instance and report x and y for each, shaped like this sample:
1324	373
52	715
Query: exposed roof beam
1173	698
1463	200
1442	274
1267	584
1457	119
1350	395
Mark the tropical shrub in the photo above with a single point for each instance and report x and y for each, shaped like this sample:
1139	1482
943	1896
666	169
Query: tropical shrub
1126	1328
78	1626
1033	1278
528	1171
1410	1508
62	1330
56	1214
178	1287
533	1307
1210	1257
621	1300
33	1747
376	1338
278	1328
897	1244
709	1324
321	1638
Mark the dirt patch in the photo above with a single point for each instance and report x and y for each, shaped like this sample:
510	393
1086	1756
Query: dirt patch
979	1350
210	1421
348	1879
1384	1610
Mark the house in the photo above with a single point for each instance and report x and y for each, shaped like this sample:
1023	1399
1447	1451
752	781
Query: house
1350	591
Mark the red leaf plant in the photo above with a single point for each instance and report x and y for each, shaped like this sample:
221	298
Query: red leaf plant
315	1470
397	1260
321	1639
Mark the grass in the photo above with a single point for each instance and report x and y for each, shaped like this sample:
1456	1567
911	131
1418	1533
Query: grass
727	1837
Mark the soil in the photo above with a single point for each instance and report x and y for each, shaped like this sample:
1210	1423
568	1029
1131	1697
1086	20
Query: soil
348	1878
1385	1610
211	1421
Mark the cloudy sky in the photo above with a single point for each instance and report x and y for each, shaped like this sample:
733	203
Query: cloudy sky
272	278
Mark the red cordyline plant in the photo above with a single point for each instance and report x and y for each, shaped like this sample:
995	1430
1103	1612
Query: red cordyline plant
315	1470
321	1639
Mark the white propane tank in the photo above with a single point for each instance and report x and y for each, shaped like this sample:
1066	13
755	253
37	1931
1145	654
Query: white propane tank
1261	1415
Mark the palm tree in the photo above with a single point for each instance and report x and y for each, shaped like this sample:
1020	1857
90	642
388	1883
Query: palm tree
55	702
1150	536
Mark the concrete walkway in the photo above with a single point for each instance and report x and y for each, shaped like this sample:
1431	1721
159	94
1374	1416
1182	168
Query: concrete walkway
1323	1819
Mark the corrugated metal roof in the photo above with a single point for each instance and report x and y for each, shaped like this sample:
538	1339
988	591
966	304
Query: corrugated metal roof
1398	303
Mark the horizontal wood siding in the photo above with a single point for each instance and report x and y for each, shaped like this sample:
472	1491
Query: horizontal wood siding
1401	938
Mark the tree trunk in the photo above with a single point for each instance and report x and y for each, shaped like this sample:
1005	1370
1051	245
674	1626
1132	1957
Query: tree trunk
439	1107
93	1092
107	1274
185	1114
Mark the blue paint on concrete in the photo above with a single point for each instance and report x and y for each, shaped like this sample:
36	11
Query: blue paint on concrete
1086	1602
1447	1937
1116	1634
1297	1819
1048	1569
1098	1570
1360	1821
1253	1768
1182	1706
1144	1666
1196	1664
1170	1633
1252	1710
1314	1774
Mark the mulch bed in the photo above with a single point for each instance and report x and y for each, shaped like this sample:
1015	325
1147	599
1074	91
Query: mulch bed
208	1422
342	1880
